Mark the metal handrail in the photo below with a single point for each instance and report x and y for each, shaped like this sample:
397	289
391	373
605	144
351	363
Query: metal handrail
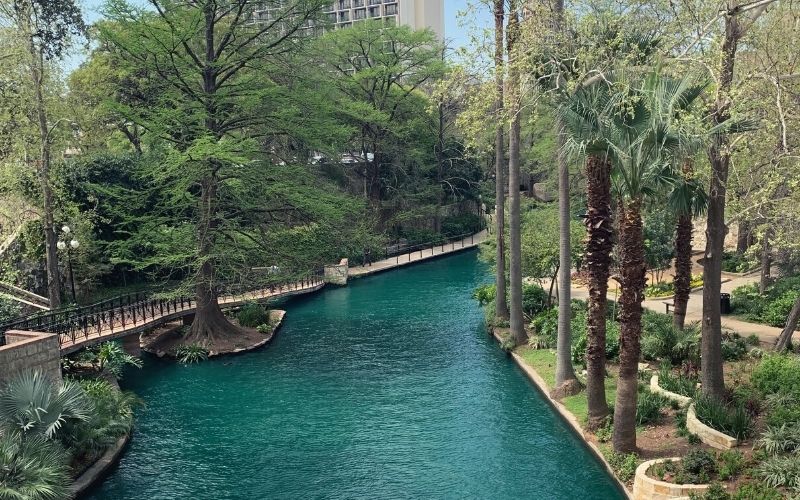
135	310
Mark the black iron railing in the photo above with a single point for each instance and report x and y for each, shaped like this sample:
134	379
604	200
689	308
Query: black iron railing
136	310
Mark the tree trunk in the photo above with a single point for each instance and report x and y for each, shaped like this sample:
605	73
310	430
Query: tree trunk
683	269
785	338
48	222
743	237
515	250
766	262
599	243
501	306
209	321
719	156
566	382
632	279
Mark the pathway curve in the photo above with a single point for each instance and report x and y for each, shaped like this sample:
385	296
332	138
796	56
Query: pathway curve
694	309
419	255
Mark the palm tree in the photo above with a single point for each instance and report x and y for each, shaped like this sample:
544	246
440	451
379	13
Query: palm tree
515	249
584	123
32	404
501	307
687	199
32	468
566	382
644	142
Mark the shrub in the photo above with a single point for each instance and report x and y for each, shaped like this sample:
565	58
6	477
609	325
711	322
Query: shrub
252	314
463	224
32	468
753	340
507	344
648	406
734	347
698	461
662	341
730	419
534	299
580	339
679	384
715	491
776	374
192	353
265	329
735	262
111	418
112	357
772	307
624	466
33	405
780	471
485	294
756	491
729	464
545	326
783	439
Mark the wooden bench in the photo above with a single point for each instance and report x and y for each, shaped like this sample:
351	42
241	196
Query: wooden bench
669	305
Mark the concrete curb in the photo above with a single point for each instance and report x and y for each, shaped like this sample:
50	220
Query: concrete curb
681	399
565	414
709	436
99	469
281	314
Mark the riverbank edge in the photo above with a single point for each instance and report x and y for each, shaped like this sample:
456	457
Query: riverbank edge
281	315
561	410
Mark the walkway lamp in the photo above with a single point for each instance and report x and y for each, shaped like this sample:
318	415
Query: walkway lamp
73	244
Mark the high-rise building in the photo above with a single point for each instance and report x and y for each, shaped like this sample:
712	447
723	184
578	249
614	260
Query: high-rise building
417	14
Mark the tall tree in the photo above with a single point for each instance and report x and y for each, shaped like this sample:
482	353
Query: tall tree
566	381
738	17
501	305
583	115
47	27
514	111
687	200
211	62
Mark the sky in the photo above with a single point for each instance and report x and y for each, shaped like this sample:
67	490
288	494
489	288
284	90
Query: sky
455	33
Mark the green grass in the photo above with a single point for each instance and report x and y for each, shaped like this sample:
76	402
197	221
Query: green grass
541	360
544	362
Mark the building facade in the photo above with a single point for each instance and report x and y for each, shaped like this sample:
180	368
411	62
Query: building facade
417	14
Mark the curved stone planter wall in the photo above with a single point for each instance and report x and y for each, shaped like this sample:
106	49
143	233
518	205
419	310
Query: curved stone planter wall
649	488
99	469
709	436
682	400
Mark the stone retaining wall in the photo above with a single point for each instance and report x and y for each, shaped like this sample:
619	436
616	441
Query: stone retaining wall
649	488
709	436
337	274
654	387
30	351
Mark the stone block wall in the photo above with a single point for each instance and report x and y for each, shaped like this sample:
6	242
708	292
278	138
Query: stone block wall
337	274
30	351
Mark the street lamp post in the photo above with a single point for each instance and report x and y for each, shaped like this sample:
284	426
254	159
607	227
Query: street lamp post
73	244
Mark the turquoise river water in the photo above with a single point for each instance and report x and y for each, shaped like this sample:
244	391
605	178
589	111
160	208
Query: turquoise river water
389	388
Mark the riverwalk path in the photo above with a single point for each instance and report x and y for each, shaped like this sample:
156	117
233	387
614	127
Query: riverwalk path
694	309
419	255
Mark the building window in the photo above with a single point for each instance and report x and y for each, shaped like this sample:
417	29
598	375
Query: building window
360	14
374	12
344	4
358	3
344	16
391	9
331	17
375	2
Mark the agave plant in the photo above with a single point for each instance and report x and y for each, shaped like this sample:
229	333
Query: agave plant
31	468
192	353
32	404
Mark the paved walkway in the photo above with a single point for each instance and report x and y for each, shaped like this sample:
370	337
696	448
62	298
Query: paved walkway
419	255
694	309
